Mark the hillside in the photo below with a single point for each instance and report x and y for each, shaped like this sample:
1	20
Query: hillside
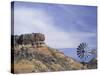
31	54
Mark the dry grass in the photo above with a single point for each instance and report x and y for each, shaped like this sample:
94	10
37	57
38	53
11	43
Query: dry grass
39	66
75	65
23	66
56	67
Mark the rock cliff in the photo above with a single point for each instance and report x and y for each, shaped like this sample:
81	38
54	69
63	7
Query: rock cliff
35	39
31	54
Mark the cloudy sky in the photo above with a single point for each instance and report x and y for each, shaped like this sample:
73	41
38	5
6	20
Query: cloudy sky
65	26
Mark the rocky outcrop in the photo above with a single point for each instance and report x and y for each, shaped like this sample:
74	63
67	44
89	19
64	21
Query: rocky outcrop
35	39
28	58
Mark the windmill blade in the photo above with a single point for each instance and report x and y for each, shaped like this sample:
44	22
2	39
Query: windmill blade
81	55
78	52
78	48
84	45
81	46
85	57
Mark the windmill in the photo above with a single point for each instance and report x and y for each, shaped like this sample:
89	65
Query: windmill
84	52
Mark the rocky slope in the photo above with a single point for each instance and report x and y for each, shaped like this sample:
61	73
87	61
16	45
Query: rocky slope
31	54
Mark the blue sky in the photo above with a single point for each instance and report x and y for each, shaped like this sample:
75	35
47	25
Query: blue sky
65	26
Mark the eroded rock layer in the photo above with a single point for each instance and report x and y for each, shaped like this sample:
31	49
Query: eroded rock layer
32	55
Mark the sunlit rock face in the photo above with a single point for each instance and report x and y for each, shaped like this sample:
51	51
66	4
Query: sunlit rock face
35	39
31	54
38	40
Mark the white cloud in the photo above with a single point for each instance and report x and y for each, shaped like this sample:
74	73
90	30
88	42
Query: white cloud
38	20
